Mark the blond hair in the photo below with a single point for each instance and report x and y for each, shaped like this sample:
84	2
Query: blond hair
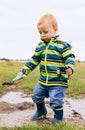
50	19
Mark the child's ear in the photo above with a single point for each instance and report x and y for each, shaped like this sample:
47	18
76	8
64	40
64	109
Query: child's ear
56	30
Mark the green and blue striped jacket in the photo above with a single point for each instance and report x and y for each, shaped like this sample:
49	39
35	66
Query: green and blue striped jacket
53	59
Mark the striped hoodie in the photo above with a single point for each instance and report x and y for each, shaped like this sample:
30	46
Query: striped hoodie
53	58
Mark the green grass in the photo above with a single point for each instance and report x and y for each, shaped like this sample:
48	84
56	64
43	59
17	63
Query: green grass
77	81
61	126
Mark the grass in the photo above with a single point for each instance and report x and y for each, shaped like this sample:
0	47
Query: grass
61	126
77	81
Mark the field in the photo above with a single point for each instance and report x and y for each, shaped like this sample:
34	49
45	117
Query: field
8	70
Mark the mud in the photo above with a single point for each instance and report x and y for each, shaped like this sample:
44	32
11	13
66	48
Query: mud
16	109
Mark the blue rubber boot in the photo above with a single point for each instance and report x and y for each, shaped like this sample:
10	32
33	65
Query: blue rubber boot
41	111
58	116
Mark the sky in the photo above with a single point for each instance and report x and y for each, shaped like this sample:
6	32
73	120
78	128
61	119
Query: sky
18	19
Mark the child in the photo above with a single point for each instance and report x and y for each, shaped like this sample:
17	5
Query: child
56	65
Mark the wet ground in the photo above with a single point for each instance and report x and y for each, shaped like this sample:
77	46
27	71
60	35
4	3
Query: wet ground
16	109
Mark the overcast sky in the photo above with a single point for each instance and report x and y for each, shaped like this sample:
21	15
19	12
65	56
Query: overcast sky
18	19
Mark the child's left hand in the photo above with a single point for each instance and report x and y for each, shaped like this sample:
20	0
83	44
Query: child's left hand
69	71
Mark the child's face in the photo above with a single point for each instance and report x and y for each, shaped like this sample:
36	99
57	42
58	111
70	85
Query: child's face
46	31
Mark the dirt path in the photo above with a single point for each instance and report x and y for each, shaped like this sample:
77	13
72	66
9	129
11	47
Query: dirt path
18	114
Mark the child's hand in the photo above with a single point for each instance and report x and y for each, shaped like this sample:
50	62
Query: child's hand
19	76
69	71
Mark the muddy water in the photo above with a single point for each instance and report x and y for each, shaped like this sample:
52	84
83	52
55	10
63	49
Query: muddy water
78	105
18	97
15	97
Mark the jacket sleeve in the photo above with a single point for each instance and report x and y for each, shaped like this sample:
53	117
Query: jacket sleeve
68	56
32	63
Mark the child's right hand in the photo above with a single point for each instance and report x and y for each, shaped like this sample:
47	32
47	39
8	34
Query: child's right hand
19	76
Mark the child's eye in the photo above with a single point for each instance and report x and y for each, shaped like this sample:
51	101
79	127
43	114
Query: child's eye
40	32
45	32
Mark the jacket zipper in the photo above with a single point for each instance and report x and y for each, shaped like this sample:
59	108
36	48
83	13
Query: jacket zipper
46	65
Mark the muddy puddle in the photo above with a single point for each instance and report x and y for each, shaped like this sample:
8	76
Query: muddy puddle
16	109
16	97
78	105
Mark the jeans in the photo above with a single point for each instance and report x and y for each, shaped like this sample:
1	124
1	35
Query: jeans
55	93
